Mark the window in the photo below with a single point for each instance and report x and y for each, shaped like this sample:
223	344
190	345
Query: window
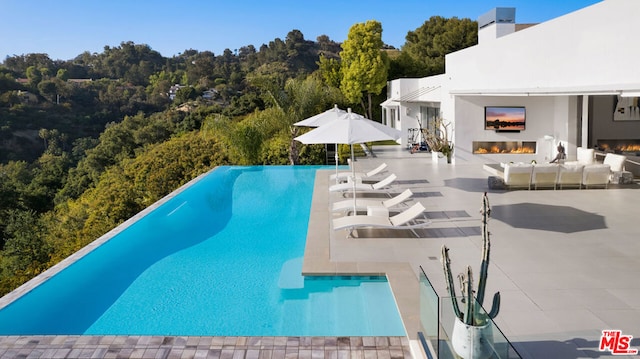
428	116
393	115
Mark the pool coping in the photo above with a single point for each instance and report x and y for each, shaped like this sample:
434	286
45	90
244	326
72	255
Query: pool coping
202	347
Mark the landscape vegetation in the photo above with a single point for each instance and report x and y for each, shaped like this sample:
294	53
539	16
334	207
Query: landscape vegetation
89	142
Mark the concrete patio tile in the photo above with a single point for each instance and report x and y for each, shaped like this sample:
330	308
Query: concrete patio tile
629	296
625	320
576	320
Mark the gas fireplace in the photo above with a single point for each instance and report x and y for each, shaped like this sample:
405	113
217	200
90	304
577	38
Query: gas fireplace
620	146
504	147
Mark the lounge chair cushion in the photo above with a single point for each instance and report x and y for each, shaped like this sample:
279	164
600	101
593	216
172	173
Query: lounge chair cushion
342	187
363	203
346	174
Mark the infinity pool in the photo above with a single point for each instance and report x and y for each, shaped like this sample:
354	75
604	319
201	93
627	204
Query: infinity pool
221	257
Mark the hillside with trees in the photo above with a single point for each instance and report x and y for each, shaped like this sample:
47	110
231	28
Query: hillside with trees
87	143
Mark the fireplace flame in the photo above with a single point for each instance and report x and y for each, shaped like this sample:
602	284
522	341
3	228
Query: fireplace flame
631	147
497	149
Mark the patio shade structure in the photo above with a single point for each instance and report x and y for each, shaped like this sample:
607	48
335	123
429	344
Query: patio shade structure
322	119
350	129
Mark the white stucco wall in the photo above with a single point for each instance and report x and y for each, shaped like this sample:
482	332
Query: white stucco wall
546	68
586	51
592	47
409	111
545	115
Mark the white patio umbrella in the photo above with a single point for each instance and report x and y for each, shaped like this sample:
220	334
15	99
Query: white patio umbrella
322	119
350	129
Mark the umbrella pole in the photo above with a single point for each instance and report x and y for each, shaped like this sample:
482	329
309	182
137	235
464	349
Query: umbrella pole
353	171
355	205
353	167
336	157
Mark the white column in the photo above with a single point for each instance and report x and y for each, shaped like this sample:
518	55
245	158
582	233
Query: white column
585	121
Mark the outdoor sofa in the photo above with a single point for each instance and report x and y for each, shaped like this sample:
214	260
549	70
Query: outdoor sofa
586	172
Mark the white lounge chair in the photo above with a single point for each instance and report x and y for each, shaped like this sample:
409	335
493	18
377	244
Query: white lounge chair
399	221
363	203
358	186
343	176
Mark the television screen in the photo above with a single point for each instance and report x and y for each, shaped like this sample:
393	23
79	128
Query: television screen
504	118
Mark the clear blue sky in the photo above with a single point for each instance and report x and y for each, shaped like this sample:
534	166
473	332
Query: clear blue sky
64	29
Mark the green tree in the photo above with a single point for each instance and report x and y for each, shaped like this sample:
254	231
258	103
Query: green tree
129	186
14	179
330	70
364	65
21	63
404	65
301	55
185	94
34	75
298	99
26	252
34	186
47	89
438	37
63	74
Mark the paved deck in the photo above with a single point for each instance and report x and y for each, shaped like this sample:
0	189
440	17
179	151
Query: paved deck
566	263
161	347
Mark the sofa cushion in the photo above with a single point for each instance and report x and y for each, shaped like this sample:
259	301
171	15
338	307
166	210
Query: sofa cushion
616	162
570	175
597	174
518	175
586	156
544	174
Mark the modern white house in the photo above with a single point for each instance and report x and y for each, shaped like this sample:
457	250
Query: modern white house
573	80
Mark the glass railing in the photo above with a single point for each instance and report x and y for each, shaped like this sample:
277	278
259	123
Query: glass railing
444	336
429	316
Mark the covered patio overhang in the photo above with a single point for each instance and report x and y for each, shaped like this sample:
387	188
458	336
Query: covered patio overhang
390	103
623	90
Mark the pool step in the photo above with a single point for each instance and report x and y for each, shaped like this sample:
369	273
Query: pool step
321	313
349	307
377	297
292	321
342	311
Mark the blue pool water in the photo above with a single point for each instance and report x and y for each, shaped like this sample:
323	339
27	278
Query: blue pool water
222	257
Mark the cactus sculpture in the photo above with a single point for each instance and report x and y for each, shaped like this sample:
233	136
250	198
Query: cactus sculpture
473	315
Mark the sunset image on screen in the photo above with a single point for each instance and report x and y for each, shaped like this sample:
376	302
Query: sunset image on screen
504	118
